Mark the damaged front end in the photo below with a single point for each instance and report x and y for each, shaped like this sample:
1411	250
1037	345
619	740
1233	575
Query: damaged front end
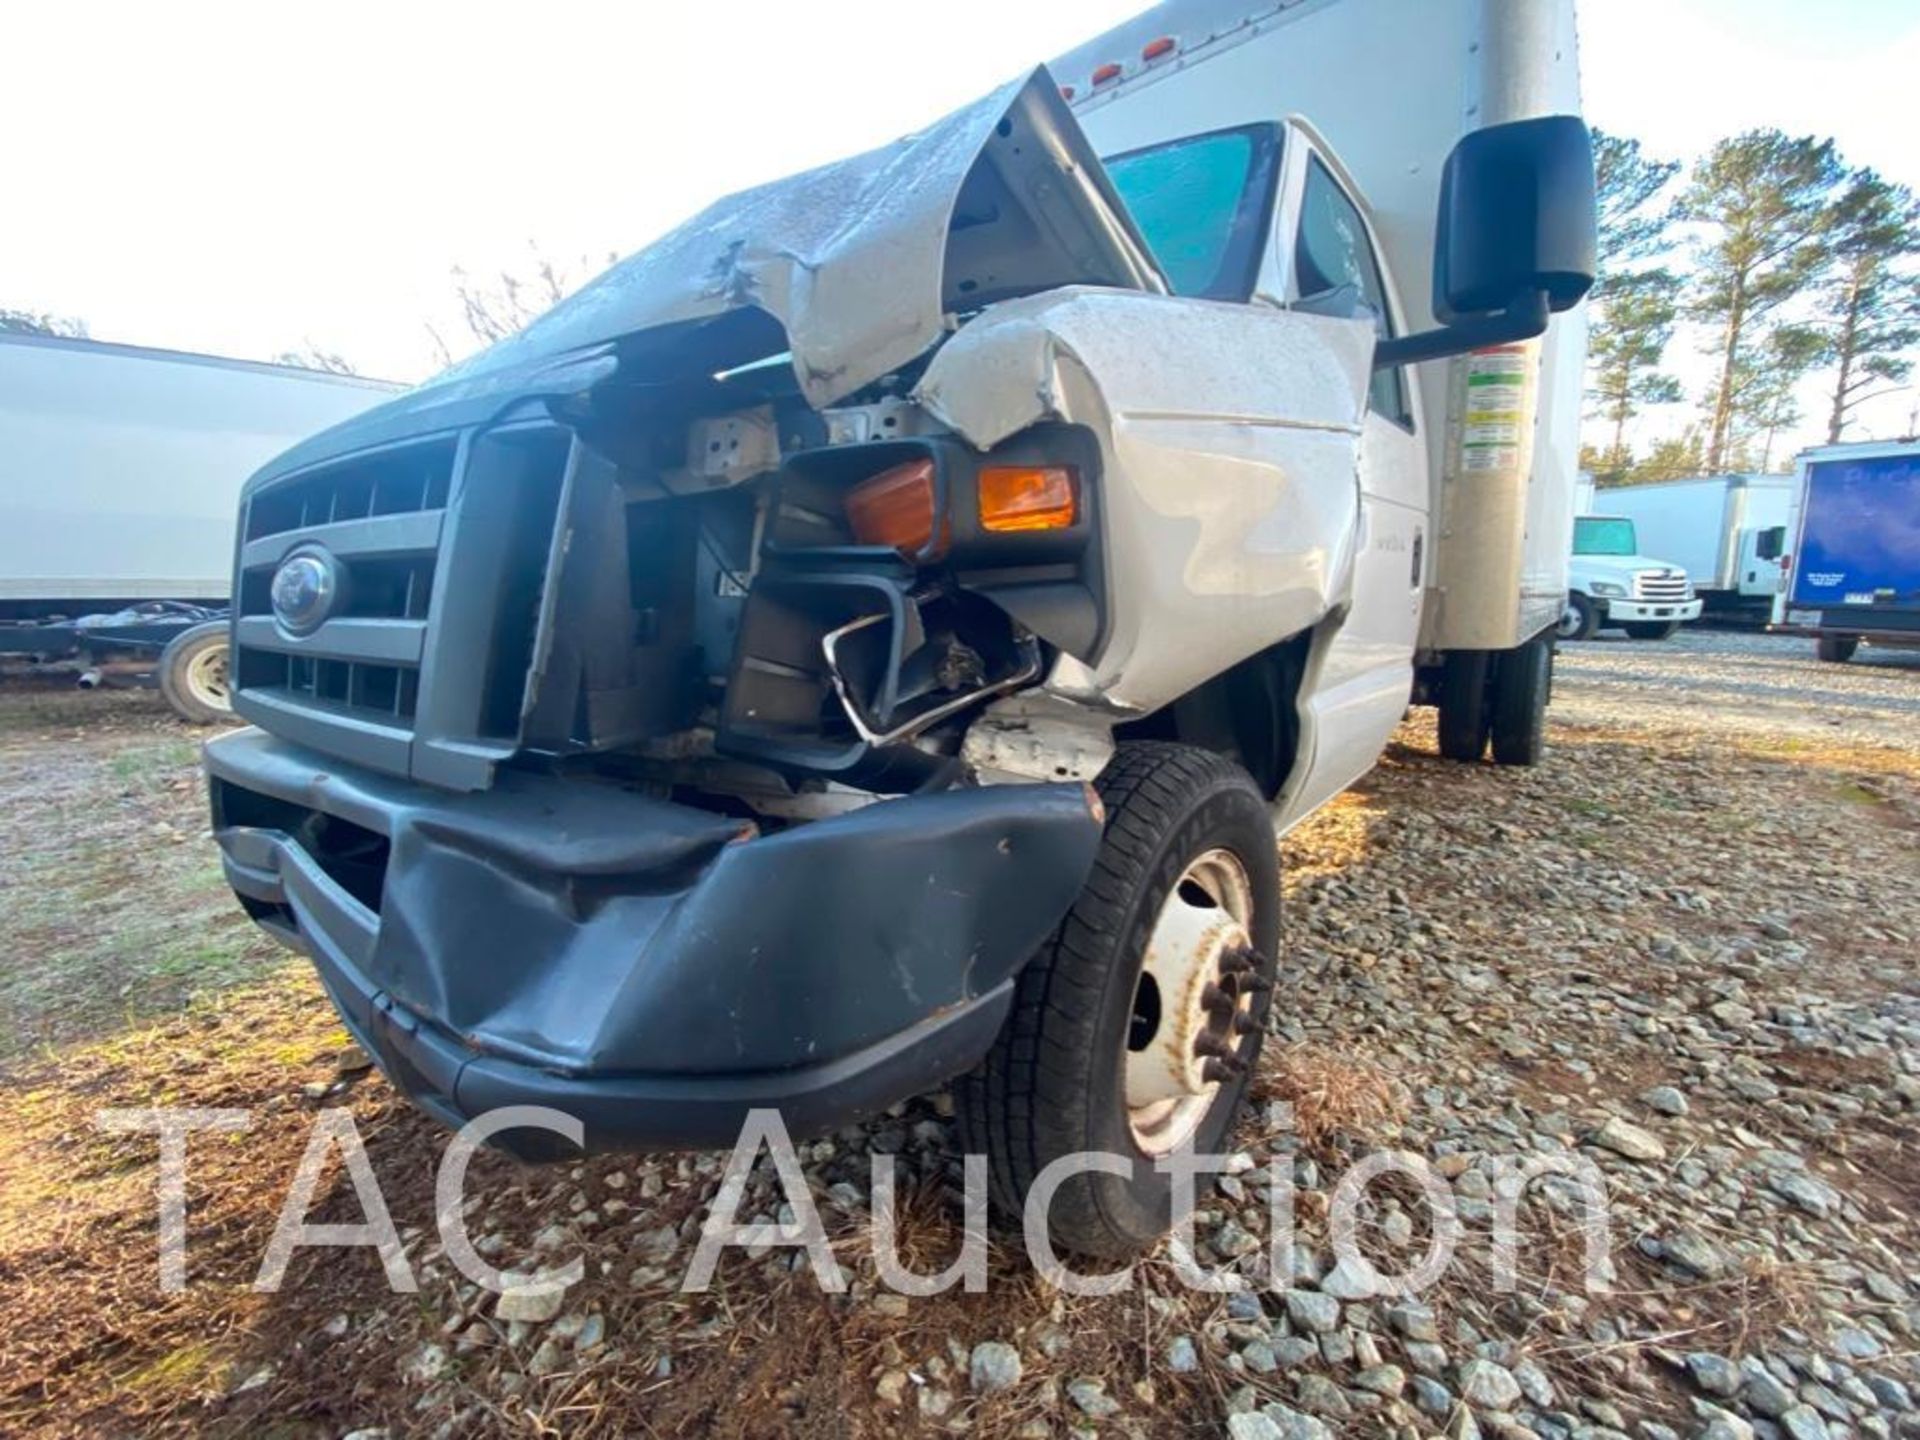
616	754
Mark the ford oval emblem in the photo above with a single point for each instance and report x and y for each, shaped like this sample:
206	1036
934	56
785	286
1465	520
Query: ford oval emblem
305	589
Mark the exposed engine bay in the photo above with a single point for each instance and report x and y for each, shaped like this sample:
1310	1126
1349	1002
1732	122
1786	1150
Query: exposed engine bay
774	626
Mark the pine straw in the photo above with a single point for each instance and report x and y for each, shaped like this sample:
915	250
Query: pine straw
91	1343
1338	1099
92	1347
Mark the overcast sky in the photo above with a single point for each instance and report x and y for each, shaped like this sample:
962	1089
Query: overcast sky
244	179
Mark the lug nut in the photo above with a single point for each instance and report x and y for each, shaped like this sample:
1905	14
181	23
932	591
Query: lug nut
1244	1024
1221	1069
1208	1043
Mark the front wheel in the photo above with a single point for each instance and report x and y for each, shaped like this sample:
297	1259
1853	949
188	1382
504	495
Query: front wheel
1651	629
1579	619
1836	649
193	674
1136	1029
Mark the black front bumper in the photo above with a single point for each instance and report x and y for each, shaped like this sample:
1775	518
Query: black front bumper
654	970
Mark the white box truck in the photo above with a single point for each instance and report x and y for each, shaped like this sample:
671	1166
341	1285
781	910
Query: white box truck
1726	532
120	467
869	638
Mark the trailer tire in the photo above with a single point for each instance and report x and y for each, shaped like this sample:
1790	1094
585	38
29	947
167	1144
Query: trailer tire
1465	716
1836	649
1651	629
1188	836
1580	619
1522	686
193	674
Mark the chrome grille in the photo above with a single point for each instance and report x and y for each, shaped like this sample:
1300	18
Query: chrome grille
401	523
1661	586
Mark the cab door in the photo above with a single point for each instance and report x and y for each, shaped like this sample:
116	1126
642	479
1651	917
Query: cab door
1360	679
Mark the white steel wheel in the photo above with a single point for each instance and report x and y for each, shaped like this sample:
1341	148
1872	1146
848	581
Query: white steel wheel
194	676
1135	1031
207	678
1189	1006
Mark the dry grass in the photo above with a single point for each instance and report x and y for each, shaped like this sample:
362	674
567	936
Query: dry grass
1337	1099
91	1344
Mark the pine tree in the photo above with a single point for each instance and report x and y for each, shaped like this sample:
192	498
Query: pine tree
1764	402
1763	200
1628	337
1633	309
39	322
1671	459
1626	183
1873	298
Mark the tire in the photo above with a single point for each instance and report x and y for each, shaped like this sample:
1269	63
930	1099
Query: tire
1651	629
1464	712
1522	685
1057	1079
193	674
1579	620
1836	649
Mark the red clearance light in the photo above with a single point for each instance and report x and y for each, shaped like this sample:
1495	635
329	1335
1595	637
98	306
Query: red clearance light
1066	92
1156	48
1105	73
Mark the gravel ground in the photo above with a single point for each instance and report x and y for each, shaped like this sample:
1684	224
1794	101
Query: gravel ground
1682	950
1750	684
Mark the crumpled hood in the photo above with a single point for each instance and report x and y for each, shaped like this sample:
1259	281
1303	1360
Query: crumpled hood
853	268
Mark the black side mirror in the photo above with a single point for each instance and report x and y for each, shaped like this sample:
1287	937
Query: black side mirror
1769	543
1514	239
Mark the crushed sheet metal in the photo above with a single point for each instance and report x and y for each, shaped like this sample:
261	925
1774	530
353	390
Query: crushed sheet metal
1230	488
851	256
1036	736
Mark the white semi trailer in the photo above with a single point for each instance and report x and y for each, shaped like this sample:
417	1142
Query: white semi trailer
120	467
870	637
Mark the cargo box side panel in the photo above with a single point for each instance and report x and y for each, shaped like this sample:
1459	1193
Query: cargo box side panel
1859	547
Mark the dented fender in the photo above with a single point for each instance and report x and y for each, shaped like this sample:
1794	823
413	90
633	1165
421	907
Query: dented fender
1230	484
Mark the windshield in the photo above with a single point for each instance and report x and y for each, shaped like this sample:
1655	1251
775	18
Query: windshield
1201	203
1597	535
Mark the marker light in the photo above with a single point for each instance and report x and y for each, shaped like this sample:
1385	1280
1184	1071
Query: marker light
1026	497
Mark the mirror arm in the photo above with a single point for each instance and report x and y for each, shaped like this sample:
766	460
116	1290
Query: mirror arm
1524	318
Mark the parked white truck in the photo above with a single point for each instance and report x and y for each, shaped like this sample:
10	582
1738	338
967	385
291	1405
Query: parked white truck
1725	532
1611	581
870	638
120	469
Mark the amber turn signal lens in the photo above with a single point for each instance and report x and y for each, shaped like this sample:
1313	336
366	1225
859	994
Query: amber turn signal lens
1016	498
897	508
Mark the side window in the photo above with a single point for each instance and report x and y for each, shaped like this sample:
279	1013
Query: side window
1333	253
